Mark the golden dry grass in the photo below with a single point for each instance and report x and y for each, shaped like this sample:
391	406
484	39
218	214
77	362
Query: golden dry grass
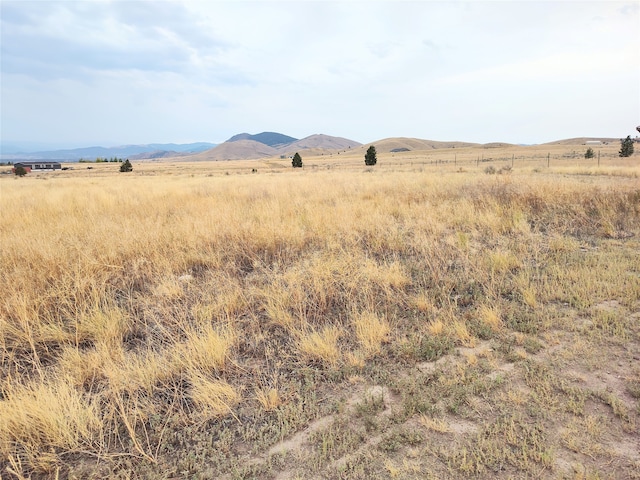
321	345
214	397
371	331
141	312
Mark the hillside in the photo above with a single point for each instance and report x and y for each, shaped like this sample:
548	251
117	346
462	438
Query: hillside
583	140
321	142
272	139
237	150
156	154
394	143
245	146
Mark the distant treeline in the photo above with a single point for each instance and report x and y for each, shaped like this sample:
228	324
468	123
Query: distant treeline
102	160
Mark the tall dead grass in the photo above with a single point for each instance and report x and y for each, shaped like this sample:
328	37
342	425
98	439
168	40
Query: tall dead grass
147	288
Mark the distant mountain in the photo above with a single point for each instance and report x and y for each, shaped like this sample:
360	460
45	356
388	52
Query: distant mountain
184	147
247	146
237	150
159	154
319	141
272	139
123	151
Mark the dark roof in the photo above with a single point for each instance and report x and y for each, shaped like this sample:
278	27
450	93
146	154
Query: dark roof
41	162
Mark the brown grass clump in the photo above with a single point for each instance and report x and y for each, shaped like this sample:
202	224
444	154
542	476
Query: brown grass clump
214	397
436	327
490	317
436	424
52	413
269	398
371	331
423	303
460	332
204	349
321	345
106	326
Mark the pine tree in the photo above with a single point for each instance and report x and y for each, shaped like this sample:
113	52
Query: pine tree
297	161
626	147
589	153
370	158
126	166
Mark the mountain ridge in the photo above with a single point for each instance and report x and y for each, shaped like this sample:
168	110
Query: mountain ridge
75	154
261	145
246	146
273	139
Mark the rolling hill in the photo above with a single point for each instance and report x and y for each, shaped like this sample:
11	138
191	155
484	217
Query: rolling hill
410	144
319	142
236	150
263	145
246	146
583	140
272	139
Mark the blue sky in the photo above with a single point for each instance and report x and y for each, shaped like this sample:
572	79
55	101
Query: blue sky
78	73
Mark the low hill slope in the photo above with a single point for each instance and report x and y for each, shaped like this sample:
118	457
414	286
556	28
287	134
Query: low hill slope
497	145
319	142
582	141
237	150
401	143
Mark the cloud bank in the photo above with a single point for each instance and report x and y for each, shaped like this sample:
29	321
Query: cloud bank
180	71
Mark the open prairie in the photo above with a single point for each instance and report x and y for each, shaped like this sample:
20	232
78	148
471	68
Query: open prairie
454	313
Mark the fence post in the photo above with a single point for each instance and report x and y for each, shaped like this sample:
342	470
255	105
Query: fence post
512	156
548	156
598	158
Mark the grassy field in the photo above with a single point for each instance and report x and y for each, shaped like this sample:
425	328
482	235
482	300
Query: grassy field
429	317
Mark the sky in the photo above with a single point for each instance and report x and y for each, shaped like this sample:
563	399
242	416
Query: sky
82	73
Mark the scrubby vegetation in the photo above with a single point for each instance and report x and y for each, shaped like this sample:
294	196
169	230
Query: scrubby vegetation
20	171
351	324
589	153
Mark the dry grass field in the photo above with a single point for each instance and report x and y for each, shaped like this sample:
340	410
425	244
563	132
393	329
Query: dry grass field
429	317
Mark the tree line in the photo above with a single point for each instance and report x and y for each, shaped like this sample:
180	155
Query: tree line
102	160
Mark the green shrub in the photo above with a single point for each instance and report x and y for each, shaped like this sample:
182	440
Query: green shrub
126	166
370	158
297	161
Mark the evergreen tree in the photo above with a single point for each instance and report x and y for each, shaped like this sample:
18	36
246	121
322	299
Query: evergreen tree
297	161
20	171
126	166
589	153
370	158
626	147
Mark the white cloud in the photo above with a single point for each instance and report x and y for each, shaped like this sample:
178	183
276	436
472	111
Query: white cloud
179	71
563	66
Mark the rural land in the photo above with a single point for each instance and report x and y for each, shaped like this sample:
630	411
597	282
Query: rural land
456	310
